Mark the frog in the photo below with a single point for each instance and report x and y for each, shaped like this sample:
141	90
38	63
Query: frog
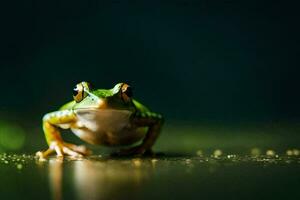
108	117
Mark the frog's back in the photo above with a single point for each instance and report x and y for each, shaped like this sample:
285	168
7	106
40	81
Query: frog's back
68	105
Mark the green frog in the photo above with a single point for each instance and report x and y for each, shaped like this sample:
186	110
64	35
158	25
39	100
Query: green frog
109	117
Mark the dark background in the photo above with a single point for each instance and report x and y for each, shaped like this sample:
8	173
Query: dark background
190	60
225	74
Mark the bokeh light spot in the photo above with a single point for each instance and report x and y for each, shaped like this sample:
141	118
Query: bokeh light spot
12	136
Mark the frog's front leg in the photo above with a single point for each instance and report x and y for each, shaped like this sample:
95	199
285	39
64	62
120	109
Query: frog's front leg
51	122
154	123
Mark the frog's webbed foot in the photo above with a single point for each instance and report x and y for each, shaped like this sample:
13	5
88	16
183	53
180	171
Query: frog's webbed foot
62	148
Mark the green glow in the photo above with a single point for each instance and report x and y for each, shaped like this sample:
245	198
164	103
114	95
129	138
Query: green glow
12	136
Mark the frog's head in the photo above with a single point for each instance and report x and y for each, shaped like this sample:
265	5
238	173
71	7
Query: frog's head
119	97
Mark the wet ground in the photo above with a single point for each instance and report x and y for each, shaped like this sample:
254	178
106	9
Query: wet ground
167	177
241	163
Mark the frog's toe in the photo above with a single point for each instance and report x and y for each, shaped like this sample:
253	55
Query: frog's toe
79	149
63	149
44	154
70	152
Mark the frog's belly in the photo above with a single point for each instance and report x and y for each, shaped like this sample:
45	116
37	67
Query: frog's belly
107	127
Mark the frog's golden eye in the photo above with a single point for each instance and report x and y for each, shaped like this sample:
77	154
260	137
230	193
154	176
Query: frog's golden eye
81	91
126	92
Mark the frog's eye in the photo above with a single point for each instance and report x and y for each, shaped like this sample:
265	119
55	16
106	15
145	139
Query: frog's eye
75	92
80	91
126	92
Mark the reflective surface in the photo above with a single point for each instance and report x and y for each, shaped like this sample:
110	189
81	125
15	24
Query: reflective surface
198	162
103	177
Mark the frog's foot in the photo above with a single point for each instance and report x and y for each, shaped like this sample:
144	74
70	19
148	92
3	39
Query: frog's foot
62	148
134	151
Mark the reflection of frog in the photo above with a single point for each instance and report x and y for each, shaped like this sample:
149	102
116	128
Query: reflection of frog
107	117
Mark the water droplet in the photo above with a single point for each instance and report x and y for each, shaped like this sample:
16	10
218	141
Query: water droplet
199	153
270	152
217	153
137	162
296	152
231	156
255	151
19	166
289	152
